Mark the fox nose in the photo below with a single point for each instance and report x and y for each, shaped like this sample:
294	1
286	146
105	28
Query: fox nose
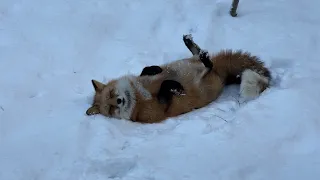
119	101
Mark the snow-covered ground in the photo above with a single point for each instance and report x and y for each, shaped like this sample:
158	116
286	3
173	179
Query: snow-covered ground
50	50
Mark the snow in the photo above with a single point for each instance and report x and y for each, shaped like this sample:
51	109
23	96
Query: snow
50	51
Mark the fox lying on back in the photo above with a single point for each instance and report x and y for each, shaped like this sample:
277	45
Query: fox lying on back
179	87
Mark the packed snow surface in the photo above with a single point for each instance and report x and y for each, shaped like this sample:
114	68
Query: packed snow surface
50	51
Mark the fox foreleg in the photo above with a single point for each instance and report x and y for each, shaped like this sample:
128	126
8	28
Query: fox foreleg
93	110
168	89
151	70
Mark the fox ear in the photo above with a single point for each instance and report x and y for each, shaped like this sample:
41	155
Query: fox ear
93	110
98	86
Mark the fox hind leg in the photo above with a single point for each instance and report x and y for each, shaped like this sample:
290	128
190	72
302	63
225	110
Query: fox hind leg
191	45
205	59
233	80
196	50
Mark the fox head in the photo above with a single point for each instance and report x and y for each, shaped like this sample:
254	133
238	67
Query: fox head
115	99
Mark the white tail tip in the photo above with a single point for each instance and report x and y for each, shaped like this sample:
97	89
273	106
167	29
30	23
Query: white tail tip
252	84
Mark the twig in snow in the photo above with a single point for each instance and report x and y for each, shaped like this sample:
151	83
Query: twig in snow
221	109
233	10
221	118
239	103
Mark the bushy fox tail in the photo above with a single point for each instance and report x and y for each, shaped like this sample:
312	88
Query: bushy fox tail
252	84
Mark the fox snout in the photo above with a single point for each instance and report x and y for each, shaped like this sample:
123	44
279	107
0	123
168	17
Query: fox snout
116	101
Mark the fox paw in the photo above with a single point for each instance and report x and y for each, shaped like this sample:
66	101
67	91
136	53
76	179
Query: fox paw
178	92
205	58
93	110
204	54
168	89
188	37
188	40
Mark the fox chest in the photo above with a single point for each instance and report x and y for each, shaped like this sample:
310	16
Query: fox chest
187	73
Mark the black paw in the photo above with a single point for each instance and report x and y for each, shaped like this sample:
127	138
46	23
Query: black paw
191	45
151	70
205	59
168	89
188	40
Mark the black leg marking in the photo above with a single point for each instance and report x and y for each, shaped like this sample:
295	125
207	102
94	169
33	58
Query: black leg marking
191	45
168	89
205	59
151	70
233	80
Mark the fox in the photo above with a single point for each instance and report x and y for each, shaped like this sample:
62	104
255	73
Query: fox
178	87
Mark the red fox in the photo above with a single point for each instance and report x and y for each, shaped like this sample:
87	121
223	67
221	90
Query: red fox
178	87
